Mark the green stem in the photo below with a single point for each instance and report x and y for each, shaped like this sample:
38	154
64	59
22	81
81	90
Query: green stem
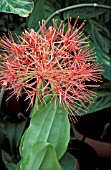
73	7
1	94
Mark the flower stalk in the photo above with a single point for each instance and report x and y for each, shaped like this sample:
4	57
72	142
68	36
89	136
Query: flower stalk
58	12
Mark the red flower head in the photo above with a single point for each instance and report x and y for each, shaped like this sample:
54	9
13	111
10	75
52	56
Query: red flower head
54	63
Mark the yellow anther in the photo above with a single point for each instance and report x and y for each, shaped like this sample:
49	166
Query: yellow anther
39	23
64	47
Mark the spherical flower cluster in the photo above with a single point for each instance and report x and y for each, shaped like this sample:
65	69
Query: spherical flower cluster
55	63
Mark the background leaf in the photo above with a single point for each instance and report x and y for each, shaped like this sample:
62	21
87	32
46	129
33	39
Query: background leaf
6	156
2	132
42	10
103	59
14	133
99	34
20	7
84	12
47	125
10	166
100	39
8	160
41	157
102	100
68	162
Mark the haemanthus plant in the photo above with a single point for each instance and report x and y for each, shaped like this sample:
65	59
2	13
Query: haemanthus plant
54	69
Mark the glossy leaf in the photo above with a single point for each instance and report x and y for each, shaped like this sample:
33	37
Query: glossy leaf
84	12
42	10
42	156
47	125
68	162
20	7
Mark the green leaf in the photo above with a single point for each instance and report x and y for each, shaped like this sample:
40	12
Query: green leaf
6	156
41	105
10	130
42	156
47	125
20	7
10	166
68	162
103	98
14	133
100	39
104	59
18	132
99	34
42	10
8	160
84	12
2	132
